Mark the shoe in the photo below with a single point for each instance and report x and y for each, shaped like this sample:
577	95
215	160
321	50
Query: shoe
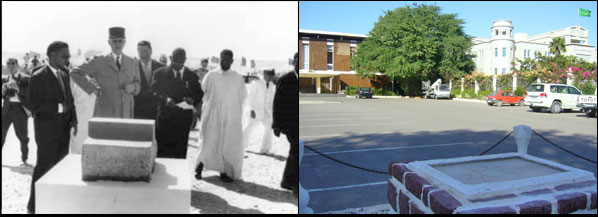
225	178
198	171
289	187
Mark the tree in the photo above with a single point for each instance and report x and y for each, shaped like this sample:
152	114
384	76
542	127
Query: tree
557	46
415	43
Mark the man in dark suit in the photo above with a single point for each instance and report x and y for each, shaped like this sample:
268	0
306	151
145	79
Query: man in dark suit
14	106
146	103
286	120
179	90
52	105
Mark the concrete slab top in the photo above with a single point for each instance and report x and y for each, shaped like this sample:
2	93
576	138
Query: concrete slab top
118	143
497	170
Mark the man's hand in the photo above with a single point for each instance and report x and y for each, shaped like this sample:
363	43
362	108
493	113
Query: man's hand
253	114
170	102
75	129
130	88
277	132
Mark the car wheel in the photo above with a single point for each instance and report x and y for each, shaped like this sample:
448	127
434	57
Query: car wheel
591	113
555	108
490	104
499	103
435	96
536	109
521	103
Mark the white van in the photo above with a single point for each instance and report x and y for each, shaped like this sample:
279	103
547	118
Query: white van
555	97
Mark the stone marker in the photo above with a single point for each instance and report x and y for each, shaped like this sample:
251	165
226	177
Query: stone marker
119	150
121	129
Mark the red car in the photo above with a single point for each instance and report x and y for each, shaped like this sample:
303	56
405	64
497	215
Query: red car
504	97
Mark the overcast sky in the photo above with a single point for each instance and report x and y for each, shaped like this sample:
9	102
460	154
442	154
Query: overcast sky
255	30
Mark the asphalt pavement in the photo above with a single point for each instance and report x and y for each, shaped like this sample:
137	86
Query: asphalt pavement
371	133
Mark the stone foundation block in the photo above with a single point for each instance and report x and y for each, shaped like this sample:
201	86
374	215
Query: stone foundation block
392	195
398	171
117	160
441	202
415	184
121	129
403	203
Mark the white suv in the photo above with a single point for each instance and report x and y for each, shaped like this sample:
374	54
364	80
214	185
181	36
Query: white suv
555	97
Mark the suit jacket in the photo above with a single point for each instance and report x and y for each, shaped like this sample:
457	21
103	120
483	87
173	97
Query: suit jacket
45	93
113	101
167	86
286	104
23	83
146	103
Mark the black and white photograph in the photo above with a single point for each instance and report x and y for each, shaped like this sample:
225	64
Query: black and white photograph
150	107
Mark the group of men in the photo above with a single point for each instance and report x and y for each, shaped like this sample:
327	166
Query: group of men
174	96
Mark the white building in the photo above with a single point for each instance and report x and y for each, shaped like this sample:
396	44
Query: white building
494	56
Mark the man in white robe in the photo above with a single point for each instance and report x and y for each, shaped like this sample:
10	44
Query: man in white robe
260	100
222	146
84	105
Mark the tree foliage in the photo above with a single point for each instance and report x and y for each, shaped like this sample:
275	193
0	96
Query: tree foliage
415	43
557	46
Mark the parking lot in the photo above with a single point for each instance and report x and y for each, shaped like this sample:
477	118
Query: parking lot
373	132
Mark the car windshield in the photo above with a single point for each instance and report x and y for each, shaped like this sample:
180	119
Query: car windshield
443	88
493	93
536	88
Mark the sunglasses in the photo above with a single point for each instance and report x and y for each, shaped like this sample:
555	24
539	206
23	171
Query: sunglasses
11	63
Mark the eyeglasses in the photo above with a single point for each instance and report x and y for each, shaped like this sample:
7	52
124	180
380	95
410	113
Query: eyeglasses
11	63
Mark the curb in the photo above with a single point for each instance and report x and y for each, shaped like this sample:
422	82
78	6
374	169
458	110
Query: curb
470	100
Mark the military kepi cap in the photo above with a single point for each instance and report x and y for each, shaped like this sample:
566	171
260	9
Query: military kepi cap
117	32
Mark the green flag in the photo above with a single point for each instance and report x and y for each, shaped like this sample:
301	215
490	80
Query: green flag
584	12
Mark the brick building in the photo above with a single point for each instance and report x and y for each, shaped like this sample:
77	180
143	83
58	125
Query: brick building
324	62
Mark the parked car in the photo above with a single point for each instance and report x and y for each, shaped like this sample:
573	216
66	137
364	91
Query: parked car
501	97
555	97
588	104
364	92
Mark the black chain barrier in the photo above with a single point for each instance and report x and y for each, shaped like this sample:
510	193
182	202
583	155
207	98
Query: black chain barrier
386	173
344	163
594	162
503	139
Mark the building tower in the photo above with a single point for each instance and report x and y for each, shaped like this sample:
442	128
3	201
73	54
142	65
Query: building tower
502	47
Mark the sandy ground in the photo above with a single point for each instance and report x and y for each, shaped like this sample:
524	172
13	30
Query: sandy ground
258	192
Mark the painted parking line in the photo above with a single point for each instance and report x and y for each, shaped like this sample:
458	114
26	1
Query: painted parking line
347	119
345	187
380	149
330	114
335	135
341	125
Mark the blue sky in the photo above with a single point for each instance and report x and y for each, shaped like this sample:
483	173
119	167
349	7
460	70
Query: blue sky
527	17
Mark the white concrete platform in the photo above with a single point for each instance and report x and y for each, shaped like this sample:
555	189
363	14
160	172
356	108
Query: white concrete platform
62	190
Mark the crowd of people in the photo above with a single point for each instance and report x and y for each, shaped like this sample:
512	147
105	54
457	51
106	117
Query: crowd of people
116	85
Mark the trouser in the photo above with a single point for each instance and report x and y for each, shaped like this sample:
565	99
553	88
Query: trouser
172	132
268	133
291	170
52	137
17	116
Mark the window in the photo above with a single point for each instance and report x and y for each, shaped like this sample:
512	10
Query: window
352	52
504	52
329	58
495	71
496	52
497	32
504	32
524	54
504	71
572	90
305	56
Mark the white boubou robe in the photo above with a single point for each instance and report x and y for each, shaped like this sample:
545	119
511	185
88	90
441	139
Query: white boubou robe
222	147
260	100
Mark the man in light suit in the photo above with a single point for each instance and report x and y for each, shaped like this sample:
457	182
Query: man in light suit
117	76
54	115
146	103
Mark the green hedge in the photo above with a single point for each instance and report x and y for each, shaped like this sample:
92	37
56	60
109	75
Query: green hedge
455	93
586	87
520	91
354	90
483	93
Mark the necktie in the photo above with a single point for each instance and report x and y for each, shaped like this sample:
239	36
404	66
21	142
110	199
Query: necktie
118	62
61	82
178	75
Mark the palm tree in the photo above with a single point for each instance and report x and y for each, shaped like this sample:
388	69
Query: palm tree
557	46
